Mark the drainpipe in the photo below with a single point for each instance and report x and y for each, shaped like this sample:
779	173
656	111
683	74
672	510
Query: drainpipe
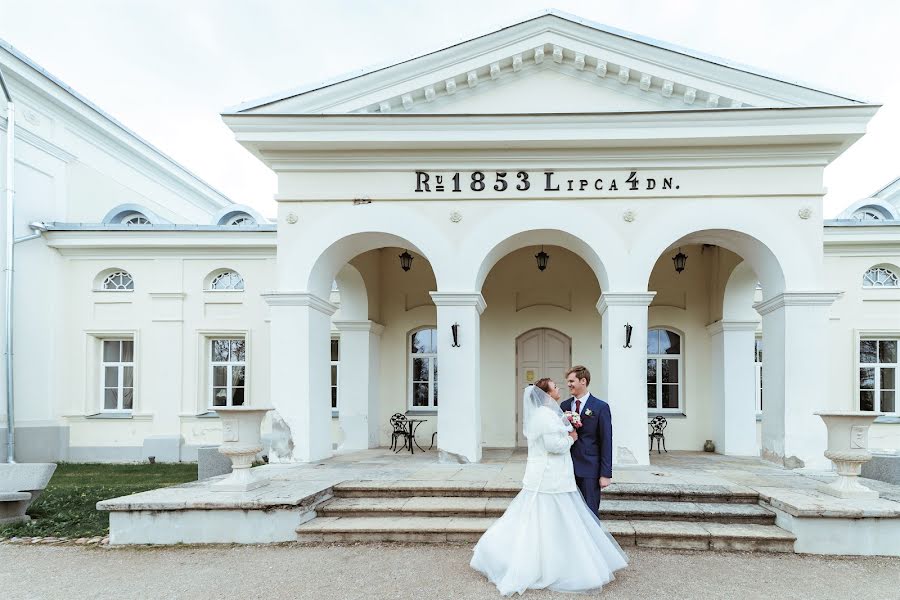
10	241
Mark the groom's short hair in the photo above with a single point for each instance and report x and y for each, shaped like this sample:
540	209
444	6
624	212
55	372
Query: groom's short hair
581	372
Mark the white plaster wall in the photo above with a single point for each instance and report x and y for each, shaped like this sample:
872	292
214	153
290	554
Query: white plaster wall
859	311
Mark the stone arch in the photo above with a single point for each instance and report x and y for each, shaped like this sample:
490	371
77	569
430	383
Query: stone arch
354	297
737	301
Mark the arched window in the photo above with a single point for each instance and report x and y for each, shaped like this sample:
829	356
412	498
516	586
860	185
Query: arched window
880	277
135	218
868	214
241	219
118	281
423	370
664	371
227	281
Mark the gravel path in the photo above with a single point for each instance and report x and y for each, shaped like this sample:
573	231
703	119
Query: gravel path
414	572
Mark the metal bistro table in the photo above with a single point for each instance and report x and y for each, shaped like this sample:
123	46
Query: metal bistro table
413	424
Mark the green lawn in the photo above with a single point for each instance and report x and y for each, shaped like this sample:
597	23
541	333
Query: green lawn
67	508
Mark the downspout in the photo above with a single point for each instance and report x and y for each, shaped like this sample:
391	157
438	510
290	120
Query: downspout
10	244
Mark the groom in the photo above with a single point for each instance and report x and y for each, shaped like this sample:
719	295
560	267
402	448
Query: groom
592	451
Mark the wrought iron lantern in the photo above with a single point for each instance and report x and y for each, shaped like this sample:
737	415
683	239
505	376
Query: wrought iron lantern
542	259
406	260
679	259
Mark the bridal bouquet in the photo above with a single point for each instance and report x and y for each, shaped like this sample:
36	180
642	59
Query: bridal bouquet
574	418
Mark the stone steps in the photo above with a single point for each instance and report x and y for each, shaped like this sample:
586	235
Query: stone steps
476	507
508	489
645	533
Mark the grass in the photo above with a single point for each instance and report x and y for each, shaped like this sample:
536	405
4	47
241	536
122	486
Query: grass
67	508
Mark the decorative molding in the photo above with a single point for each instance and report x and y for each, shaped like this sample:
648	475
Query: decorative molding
365	326
629	216
823	298
40	143
300	299
459	299
805	212
455	216
722	326
291	218
608	299
565	58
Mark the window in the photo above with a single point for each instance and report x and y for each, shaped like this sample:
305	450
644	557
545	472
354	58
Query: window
423	369
868	214
880	277
241	219
663	371
758	362
878	375
228	364
117	375
227	281
120	281
335	366
135	218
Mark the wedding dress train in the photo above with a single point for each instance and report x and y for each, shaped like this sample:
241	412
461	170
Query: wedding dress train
548	537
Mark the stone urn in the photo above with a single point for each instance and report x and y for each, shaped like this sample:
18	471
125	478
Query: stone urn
240	442
848	449
709	446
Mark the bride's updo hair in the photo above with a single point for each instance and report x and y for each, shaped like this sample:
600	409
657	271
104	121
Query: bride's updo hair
544	384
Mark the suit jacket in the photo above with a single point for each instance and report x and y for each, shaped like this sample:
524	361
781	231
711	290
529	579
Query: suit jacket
592	452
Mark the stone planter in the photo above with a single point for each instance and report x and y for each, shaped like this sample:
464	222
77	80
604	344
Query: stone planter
241	441
848	449
20	485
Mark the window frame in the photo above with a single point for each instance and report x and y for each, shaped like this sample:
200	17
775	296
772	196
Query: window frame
876	335
120	366
104	277
336	386
217	274
680	409
758	351
432	370
896	278
209	383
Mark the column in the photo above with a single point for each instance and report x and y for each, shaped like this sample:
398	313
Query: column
794	383
459	409
623	373
358	404
733	378
301	375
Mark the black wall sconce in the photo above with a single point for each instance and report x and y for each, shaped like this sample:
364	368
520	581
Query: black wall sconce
679	259
406	260
455	329
542	259
628	329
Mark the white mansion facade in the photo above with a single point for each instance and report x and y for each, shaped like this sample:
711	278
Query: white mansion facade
674	200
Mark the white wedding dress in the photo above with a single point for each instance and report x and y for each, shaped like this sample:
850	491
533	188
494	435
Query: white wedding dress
548	537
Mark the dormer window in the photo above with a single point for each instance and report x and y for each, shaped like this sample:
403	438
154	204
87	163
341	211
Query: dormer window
868	213
241	219
135	218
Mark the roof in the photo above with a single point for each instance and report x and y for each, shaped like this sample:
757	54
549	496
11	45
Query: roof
252	104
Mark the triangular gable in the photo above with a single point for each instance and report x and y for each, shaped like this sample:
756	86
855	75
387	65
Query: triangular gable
552	63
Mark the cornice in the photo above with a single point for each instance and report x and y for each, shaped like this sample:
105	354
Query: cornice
40	143
459	299
824	298
300	299
364	326
722	326
608	299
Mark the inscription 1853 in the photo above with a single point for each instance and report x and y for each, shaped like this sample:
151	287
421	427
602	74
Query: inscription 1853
546	181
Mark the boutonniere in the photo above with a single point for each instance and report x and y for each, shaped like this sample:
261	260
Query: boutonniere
588	412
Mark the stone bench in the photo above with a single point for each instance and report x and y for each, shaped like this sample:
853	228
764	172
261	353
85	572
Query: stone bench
20	485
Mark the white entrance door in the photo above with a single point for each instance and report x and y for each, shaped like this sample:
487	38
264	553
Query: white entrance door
540	353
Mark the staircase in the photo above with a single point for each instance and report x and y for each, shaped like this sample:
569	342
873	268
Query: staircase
659	516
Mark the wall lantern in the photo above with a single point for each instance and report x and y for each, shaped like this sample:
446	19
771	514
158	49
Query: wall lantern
628	329
679	260
542	259
406	260
455	329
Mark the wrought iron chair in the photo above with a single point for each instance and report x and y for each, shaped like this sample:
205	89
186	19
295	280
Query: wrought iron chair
657	432
433	435
400	428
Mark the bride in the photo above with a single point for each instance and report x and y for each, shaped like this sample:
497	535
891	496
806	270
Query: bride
548	537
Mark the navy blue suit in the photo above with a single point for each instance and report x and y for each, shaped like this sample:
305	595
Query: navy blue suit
592	451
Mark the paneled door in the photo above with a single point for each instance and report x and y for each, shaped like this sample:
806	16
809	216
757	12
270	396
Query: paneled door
540	353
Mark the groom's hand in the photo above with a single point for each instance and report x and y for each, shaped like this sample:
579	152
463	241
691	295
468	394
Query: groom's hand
604	482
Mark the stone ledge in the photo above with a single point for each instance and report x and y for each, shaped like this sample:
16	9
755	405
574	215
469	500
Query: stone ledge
810	503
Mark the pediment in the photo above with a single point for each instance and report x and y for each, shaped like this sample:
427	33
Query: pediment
552	63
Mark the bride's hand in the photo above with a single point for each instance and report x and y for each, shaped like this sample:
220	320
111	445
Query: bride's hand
574	435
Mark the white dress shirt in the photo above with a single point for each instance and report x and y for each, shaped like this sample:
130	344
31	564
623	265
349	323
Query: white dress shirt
583	401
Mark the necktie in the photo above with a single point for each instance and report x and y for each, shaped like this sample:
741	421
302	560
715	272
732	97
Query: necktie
577	405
